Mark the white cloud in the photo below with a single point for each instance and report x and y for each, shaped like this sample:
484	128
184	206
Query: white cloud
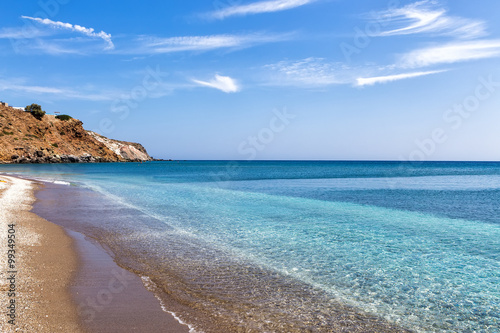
59	93
317	73
22	33
150	45
258	7
311	72
223	83
428	17
53	48
31	89
368	81
451	53
142	45
424	17
90	32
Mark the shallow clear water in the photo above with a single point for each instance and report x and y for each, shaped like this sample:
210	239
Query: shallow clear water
416	245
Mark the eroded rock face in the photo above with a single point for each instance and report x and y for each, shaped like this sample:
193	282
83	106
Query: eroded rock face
126	150
25	139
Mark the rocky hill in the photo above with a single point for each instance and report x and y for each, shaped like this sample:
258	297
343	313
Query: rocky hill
26	139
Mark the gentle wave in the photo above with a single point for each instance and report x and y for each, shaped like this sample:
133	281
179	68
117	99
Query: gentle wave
152	287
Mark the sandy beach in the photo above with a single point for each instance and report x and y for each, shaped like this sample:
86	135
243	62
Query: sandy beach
59	281
44	266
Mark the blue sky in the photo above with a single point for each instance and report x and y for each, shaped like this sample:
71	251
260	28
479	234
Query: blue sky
275	79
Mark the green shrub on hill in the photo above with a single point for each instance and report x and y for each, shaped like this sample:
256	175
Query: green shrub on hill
33	107
35	110
64	117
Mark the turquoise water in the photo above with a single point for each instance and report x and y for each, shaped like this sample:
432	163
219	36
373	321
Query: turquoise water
416	245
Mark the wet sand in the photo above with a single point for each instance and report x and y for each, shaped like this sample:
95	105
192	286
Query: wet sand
111	299
66	283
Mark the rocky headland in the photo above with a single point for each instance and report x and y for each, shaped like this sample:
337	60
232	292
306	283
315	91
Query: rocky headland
25	138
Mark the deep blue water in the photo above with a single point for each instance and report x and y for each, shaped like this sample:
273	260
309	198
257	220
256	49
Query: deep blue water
415	244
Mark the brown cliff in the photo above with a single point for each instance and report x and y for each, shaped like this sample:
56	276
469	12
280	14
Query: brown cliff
25	139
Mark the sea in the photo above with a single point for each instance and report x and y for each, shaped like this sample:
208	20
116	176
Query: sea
296	246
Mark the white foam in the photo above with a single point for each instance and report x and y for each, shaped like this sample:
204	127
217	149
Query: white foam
151	286
40	179
61	182
53	181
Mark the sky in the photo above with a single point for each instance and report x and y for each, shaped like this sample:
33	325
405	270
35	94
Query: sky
265	80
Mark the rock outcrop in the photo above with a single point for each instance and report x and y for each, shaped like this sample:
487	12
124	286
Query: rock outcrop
25	139
126	150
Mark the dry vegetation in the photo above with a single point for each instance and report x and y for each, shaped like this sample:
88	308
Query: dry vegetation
25	139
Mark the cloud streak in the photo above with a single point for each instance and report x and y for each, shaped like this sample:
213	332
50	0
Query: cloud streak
59	93
22	33
368	81
152	45
310	72
89	32
258	8
30	89
451	53
222	83
316	73
424	17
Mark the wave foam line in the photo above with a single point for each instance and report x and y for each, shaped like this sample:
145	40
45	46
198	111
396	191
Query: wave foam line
151	286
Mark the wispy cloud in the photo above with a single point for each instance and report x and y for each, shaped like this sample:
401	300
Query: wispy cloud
89	32
30	89
257	8
32	38
222	83
59	93
451	53
317	73
426	17
310	72
368	81
155	45
52	47
22	33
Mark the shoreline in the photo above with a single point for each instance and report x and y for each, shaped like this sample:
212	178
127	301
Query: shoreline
65	279
111	299
211	297
45	264
82	212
